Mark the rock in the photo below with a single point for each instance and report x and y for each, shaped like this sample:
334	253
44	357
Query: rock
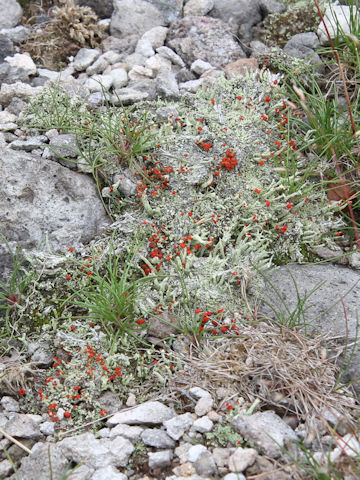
204	38
241	67
171	10
108	473
16	90
119	77
128	96
84	58
234	476
37	465
123	46
10	404
170	55
157	36
30	144
6	46
144	47
11	13
47	428
354	260
166	85
160	459
199	392
40	198
157	438
22	426
7	117
111	57
97	453
17	34
63	145
202	425
203	406
21	66
266	430
268	7
99	83
150	413
103	9
40	353
110	402
241	459
139	73
134	17
177	426
205	465
258	48
135	59
337	19
236	13
95	100
157	62
200	67
194	452
131	433
98	66
306	39
198	7
6	467
222	455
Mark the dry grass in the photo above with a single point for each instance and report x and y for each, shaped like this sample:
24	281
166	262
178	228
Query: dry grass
286	370
15	373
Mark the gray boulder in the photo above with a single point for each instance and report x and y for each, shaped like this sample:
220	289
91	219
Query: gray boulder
11	13
134	17
171	10
103	9
204	38
40	198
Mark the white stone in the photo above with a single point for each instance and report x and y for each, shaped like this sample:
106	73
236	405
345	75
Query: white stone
234	476
151	413
108	473
138	73
22	61
199	392
98	83
5	468
160	459
203	424
144	48
119	77
11	13
17	90
98	66
131	433
111	57
199	67
156	35
242	458
177	426
156	62
195	452
198	7
47	428
7	117
191	86
337	19
84	58
203	406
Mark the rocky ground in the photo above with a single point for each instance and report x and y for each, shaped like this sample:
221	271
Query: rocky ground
156	134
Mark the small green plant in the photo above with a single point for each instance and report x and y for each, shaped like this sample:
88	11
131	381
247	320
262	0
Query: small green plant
225	436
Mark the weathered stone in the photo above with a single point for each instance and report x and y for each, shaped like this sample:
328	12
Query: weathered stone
21	64
151	413
110	401
30	144
10	404
98	66
170	55
128	96
241	67
23	426
157	36
64	145
47	428
17	34
200	67
157	62
99	83
266	430
177	426
39	198
204	38
237	12
205	465
131	433
203	406
108	473
139	73
144	47
6	467
11	13
198	7
16	90
160	459
241	459
195	451
166	85
134	17
102	9
6	46
199	392
157	438
84	58
202	425
171	10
